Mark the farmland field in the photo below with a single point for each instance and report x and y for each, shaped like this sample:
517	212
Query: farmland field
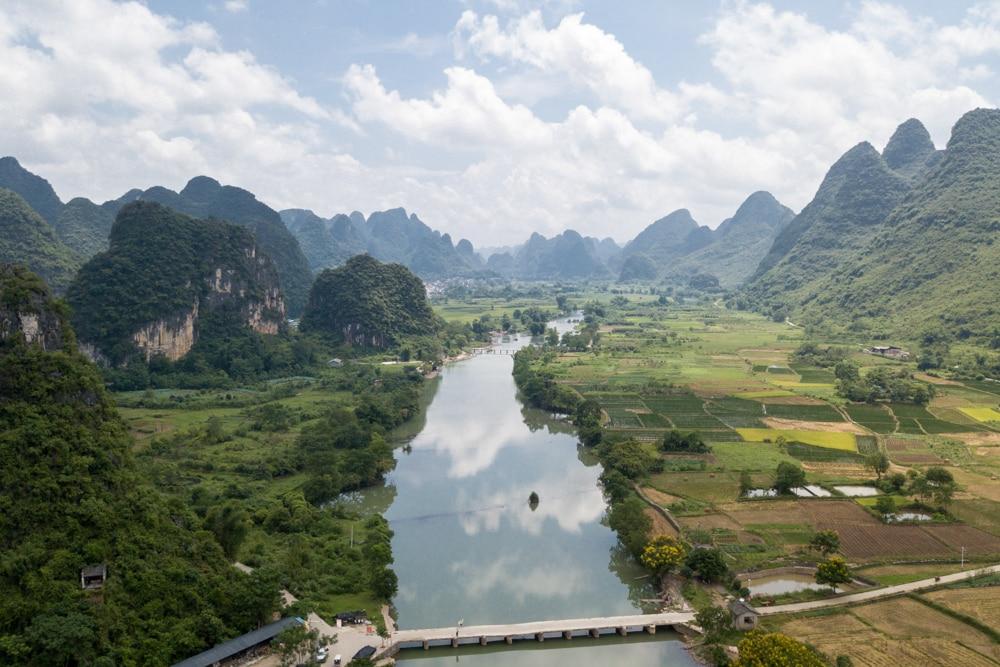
832	440
982	414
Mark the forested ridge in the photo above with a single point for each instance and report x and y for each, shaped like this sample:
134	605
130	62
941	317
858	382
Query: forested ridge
71	497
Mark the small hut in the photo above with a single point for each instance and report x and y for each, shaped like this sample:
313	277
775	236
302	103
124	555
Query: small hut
745	617
92	577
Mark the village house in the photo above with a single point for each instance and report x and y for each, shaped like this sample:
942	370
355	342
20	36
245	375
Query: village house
889	351
745	617
92	577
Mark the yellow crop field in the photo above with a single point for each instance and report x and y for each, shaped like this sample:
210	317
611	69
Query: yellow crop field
982	414
828	439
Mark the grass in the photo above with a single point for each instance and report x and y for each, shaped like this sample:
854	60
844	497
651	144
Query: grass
753	456
829	439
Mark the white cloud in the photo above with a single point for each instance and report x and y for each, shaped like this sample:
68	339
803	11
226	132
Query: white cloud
588	56
236	6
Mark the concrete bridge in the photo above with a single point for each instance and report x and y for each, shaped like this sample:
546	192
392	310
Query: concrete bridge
494	350
537	630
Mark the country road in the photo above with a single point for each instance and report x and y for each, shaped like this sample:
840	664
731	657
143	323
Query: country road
878	593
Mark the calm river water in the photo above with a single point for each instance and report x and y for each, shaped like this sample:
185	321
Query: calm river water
468	547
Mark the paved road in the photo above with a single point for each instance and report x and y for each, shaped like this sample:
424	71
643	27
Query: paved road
878	593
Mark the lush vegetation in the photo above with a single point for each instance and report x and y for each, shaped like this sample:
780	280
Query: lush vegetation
72	497
369	304
204	197
160	266
26	238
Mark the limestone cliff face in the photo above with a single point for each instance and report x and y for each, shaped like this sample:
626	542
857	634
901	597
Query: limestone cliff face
28	314
171	338
168	273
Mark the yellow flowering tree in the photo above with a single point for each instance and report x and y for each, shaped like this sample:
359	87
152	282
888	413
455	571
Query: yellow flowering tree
663	554
763	649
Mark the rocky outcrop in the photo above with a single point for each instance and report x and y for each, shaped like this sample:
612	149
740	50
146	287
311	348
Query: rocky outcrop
28	314
162	276
168	338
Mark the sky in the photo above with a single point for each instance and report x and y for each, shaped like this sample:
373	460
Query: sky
490	119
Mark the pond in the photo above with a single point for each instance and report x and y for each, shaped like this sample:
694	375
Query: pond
777	584
857	491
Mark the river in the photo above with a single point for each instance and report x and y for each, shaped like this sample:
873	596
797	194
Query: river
468	547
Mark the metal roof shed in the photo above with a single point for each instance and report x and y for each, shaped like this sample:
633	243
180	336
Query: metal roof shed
233	647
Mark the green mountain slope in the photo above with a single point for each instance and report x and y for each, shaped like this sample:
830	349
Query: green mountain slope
164	275
84	226
738	244
855	197
368	303
34	189
669	238
935	262
204	197
71	498
28	239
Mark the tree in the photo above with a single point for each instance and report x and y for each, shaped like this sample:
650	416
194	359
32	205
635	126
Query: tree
826	542
628	518
897	481
384	583
715	621
229	523
675	441
662	554
552	338
936	484
832	572
709	565
885	506
844	661
762	649
296	644
788	477
746	483
878	462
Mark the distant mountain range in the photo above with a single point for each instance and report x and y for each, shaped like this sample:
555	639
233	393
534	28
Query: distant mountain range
891	241
389	236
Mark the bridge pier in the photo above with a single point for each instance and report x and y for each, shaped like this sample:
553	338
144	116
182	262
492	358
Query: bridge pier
454	642
482	640
622	630
540	636
595	633
509	640
567	634
651	629
427	645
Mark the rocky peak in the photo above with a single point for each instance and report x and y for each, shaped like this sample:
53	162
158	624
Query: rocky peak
909	148
201	188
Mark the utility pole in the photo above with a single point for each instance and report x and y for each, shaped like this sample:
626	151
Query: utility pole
963	556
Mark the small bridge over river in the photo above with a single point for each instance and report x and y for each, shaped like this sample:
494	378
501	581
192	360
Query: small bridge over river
494	350
538	630
624	625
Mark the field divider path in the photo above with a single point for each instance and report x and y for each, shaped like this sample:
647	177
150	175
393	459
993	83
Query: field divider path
880	593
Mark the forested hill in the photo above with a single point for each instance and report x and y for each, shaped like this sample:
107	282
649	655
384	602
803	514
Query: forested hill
389	236
168	281
856	195
80	224
738	244
27	238
205	197
934	263
369	304
71	499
